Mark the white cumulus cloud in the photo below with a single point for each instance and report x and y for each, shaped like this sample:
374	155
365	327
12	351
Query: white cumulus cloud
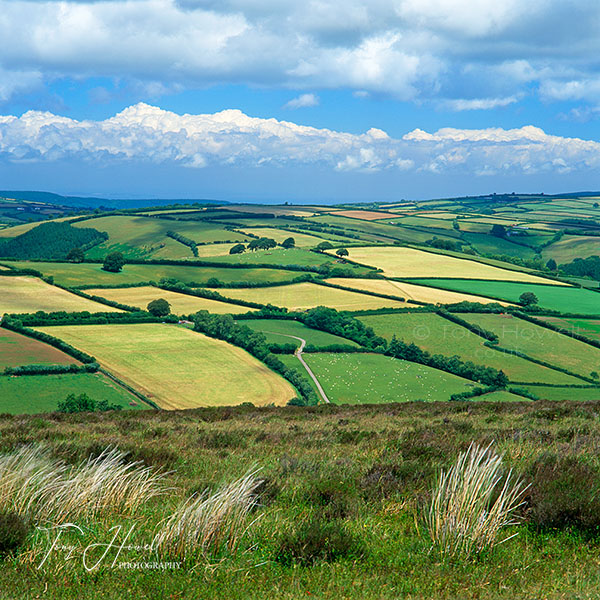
302	101
144	133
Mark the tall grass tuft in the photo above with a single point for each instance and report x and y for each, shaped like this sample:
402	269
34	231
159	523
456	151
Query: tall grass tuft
472	502
34	484
209	522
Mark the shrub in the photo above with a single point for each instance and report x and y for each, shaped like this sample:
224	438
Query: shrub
564	493
383	480
317	539
13	532
471	503
83	403
334	497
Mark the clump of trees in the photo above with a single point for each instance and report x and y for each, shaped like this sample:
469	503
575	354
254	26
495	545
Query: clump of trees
237	249
583	267
76	255
83	403
113	262
442	244
341	252
324	246
159	307
288	243
262	243
498	230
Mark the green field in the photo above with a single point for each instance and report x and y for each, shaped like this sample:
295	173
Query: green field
30	294
373	378
302	296
571	247
277	330
176	367
279	256
17	349
91	274
561	298
440	336
41	393
540	343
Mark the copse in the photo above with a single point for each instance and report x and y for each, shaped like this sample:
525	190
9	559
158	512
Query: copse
528	298
113	262
342	252
288	243
262	243
237	249
75	255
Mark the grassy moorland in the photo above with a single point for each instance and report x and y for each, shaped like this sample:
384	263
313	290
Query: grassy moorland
340	512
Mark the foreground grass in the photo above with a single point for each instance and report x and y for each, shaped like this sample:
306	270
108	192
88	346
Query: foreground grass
334	461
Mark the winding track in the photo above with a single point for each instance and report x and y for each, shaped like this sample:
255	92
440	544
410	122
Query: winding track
298	354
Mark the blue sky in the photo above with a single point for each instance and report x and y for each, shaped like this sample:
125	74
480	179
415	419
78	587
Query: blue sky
276	100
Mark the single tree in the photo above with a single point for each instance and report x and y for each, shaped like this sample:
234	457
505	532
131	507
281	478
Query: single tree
528	298
75	255
596	205
237	249
288	242
113	262
341	252
159	307
551	264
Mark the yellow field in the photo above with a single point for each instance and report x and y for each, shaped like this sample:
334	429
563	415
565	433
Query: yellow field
176	367
274	210
408	262
181	304
29	294
301	296
410	291
302	240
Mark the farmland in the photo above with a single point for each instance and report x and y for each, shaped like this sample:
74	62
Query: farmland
561	298
438	335
277	331
16	350
181	304
34	394
175	367
300	296
92	274
372	378
29	294
410	262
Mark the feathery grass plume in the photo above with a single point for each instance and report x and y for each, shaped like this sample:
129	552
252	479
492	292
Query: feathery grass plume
35	484
106	482
209	522
472	502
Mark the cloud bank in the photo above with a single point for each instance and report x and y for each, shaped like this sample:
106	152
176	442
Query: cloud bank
475	54
147	134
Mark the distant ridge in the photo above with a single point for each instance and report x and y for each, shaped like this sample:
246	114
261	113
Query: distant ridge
90	202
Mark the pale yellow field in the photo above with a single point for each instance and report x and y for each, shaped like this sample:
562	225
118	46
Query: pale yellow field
410	291
29	294
181	304
302	240
275	210
176	367
409	262
301	296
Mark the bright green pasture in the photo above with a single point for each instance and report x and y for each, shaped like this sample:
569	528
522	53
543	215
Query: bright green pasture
41	393
276	332
490	244
556	297
440	336
92	274
540	343
565	393
277	256
588	327
374	379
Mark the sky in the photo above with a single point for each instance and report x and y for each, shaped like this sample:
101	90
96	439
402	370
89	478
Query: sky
300	101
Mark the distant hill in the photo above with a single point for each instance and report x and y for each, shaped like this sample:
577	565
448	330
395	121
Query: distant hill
90	202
